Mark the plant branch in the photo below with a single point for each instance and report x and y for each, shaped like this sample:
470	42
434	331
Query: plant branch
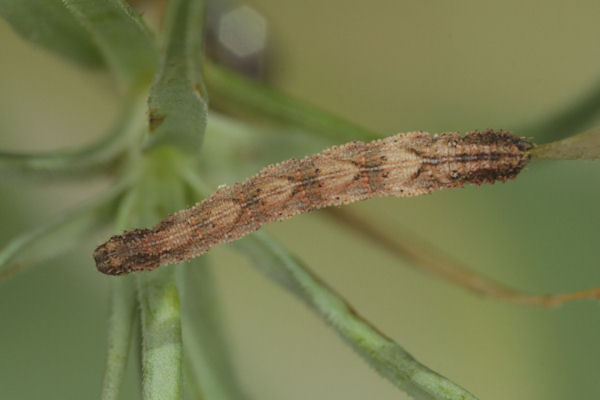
95	158
177	102
122	313
120	324
161	331
160	191
585	146
387	357
431	259
205	348
232	91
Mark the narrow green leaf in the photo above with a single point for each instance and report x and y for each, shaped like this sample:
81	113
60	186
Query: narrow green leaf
95	158
234	92
205	348
585	146
177	102
124	41
387	357
161	331
120	324
122	313
52	236
49	24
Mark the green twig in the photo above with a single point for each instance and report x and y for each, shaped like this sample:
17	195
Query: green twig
92	159
386	356
206	350
160	192
177	104
203	338
120	323
585	146
122	313
161	331
232	91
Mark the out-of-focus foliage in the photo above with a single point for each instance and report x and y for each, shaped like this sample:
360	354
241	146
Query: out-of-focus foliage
390	66
49	24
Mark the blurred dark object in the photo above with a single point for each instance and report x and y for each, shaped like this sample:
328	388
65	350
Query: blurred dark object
237	36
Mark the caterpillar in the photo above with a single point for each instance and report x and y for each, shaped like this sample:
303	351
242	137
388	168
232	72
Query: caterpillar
401	165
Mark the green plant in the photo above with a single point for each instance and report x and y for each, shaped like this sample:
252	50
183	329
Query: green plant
156	171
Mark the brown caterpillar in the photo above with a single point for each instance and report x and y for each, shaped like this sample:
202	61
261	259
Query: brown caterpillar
401	165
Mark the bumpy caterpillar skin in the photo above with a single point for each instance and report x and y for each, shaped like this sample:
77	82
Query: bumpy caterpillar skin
401	165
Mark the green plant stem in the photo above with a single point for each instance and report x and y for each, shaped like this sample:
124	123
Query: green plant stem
585	146
160	192
233	92
229	89
122	313
161	331
177	104
120	323
203	338
386	356
95	158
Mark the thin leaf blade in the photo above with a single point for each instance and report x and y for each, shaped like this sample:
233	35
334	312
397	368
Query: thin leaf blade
122	316
92	159
204	340
235	92
123	311
387	357
585	146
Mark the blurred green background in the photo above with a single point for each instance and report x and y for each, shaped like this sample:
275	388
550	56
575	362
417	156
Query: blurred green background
391	66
